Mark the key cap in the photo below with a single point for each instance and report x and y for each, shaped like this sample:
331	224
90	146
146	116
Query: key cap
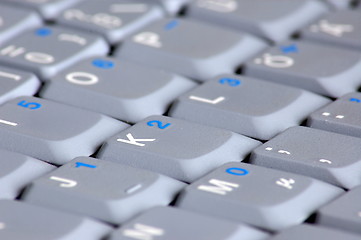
172	6
48	50
341	29
163	223
104	190
119	89
176	148
51	131
339	4
343	213
341	116
311	232
15	83
17	171
22	221
48	9
327	156
275	20
251	107
14	21
199	55
113	19
322	69
262	197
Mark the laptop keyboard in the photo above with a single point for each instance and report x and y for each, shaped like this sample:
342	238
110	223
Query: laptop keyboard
180	119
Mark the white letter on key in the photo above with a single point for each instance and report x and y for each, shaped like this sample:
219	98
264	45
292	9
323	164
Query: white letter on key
66	183
133	141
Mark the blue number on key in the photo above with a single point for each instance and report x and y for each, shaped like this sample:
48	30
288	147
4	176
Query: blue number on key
159	124
289	49
105	64
355	100
30	105
172	24
80	164
230	81
43	32
237	171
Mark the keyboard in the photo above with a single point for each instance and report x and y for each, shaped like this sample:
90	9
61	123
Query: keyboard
180	119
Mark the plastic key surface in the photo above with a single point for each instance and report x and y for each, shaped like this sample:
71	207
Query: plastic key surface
339	4
327	156
17	171
113	19
318	68
48	50
190	48
251	107
262	197
104	190
172	6
22	221
176	148
343	213
120	89
163	223
15	83
51	131
14	21
275	20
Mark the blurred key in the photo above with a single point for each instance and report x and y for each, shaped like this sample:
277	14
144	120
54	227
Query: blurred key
22	221
327	156
318	68
48	50
51	131
15	83
248	106
193	49
113	19
120	89
48	9
176	148
344	213
262	197
14	21
172	6
339	4
341	29
17	171
164	223
104	190
272	19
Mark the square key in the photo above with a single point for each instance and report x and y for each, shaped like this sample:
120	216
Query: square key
318	68
113	19
46	51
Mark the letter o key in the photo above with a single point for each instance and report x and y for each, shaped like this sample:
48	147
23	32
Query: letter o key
82	78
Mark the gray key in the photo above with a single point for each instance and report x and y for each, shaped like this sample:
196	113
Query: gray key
14	21
339	4
116	88
311	232
52	131
113	19
22	221
48	9
262	197
17	171
344	213
48	50
341	116
251	107
104	190
275	20
190	48
172	6
341	29
176	148
164	223
15	83
327	156
319	68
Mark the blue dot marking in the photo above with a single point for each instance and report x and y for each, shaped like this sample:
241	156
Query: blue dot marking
355	100
101	63
230	81
289	49
43	32
172	24
237	171
80	164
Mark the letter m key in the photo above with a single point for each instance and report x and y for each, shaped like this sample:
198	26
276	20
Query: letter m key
218	187
143	232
